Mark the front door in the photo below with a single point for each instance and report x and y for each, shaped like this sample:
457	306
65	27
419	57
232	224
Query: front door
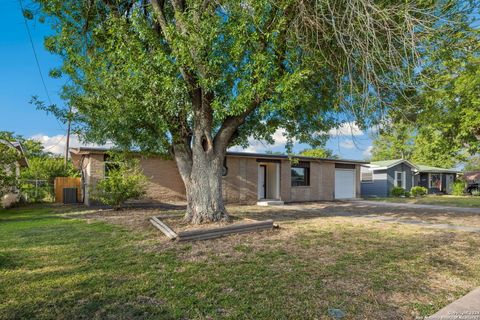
262	174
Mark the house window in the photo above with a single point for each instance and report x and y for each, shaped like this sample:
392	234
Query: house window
366	175
400	179
301	174
435	181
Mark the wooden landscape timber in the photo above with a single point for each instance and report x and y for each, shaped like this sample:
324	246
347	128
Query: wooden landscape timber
163	227
204	234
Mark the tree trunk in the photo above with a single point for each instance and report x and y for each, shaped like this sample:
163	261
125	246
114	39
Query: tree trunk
202	175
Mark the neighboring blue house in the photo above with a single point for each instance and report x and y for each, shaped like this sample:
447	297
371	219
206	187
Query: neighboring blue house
379	177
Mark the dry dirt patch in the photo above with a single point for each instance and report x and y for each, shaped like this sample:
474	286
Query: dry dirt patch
138	218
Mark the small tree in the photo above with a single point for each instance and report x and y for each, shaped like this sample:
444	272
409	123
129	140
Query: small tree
125	181
8	166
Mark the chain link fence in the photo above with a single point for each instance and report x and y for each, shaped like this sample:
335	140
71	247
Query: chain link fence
37	190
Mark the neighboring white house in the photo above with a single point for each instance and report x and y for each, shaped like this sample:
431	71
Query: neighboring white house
12	195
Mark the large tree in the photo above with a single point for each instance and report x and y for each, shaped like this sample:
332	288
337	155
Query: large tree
394	142
421	145
450	96
193	77
443	112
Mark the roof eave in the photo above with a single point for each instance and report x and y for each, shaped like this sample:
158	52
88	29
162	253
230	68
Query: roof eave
438	171
90	150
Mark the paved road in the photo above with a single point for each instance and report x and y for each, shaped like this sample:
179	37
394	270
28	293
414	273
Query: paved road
415	221
418	206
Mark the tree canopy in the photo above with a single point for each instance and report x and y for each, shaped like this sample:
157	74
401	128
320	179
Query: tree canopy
140	69
440	117
402	140
451	96
473	164
319	153
394	142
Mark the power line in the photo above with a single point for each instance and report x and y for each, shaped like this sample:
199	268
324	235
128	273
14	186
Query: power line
44	84
34	52
37	60
56	144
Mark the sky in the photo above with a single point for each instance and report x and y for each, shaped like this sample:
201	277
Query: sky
20	80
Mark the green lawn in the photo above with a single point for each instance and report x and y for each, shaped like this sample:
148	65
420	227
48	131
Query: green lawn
56	267
446	200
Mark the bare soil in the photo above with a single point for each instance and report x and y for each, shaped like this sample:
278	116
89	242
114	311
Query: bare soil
138	218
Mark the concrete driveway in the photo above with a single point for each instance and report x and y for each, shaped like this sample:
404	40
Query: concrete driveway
439	217
418	206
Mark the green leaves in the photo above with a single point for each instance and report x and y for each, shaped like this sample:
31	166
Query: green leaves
319	153
27	14
124	181
301	66
9	157
48	168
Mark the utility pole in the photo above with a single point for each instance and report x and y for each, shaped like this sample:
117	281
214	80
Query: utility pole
67	146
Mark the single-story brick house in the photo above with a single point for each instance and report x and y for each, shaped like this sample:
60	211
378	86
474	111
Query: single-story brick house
379	177
248	178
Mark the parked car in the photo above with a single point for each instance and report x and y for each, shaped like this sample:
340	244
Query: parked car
472	187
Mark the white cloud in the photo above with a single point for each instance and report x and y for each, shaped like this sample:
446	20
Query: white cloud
346	129
347	144
368	152
56	144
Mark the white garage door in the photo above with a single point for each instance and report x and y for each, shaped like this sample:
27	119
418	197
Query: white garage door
344	183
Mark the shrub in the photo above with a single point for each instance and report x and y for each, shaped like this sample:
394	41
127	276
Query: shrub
125	181
397	192
475	192
37	180
407	194
458	188
419	191
37	192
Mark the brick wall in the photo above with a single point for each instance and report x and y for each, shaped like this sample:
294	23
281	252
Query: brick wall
328	181
285	181
165	183
240	183
95	171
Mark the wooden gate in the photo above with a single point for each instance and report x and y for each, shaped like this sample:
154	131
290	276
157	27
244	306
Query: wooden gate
67	182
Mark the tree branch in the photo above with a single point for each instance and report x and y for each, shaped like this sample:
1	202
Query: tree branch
230	126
